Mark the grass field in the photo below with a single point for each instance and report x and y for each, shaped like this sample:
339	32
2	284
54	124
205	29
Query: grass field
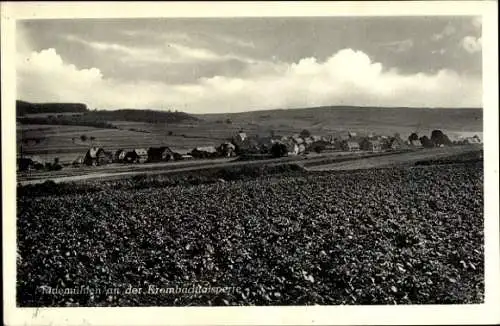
57	140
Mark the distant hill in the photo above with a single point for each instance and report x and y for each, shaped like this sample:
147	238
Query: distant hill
56	113
374	119
150	116
23	108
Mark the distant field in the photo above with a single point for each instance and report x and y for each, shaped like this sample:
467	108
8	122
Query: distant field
395	159
57	140
364	120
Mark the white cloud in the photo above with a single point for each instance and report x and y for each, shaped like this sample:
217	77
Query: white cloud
163	52
348	77
472	44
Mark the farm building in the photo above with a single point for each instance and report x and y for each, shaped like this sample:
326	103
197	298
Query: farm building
138	155
370	145
158	154
204	152
350	146
97	156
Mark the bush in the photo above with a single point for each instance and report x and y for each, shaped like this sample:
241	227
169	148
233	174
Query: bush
279	150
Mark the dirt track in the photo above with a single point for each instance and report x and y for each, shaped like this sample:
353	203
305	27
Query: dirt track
353	163
392	160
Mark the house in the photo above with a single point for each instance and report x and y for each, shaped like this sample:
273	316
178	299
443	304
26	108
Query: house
308	141
416	143
472	140
250	145
119	155
371	145
158	154
352	134
78	161
138	155
204	152
186	157
97	156
297	139
227	149
319	146
239	138
395	144
350	146
293	148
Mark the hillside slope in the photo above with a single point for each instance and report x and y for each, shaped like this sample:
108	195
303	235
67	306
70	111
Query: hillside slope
373	119
23	108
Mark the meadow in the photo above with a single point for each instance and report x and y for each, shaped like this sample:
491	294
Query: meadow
63	141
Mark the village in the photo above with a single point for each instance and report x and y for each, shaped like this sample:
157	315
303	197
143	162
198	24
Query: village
255	147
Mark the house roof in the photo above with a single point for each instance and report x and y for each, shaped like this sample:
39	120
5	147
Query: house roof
229	145
473	140
94	151
141	151
208	149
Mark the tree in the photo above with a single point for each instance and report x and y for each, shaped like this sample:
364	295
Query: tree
92	138
170	133
83	137
279	150
305	133
439	138
426	142
413	137
229	121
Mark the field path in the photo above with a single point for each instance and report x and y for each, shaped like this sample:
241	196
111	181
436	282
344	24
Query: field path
348	163
394	159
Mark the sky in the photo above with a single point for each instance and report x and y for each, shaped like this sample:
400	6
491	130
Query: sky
212	65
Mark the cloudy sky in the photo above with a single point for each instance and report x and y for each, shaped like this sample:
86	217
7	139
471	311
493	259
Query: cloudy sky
240	64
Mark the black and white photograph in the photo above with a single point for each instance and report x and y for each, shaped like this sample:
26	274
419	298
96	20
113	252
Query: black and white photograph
251	161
